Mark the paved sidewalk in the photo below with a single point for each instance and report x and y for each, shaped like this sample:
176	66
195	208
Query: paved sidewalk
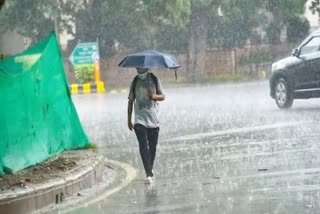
50	182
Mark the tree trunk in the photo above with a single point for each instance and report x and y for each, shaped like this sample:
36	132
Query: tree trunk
198	46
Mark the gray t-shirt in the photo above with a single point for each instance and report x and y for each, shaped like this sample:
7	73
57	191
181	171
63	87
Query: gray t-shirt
145	109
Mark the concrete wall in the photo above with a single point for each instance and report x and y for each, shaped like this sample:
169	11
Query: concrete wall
217	62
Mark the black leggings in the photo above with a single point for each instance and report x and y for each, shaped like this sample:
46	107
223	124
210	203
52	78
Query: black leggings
148	140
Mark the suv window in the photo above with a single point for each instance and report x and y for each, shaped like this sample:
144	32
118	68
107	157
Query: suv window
311	47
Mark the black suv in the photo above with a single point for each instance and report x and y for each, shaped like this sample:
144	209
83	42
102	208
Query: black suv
297	76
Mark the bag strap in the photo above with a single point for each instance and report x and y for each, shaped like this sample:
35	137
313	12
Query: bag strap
154	79
133	86
156	83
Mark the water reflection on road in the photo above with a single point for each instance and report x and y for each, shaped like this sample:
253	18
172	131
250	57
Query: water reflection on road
223	149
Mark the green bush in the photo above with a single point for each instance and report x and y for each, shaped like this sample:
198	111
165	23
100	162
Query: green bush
85	73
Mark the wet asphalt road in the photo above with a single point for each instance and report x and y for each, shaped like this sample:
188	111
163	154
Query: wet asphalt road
222	149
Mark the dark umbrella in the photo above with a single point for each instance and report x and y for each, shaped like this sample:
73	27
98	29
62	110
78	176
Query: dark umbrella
150	59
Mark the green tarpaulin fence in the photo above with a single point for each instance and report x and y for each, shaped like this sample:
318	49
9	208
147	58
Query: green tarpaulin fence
38	118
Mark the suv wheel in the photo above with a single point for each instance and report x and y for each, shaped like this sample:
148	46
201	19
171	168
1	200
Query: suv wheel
282	94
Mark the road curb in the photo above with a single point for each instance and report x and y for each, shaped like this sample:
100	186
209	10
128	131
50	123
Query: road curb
35	197
130	174
91	88
87	88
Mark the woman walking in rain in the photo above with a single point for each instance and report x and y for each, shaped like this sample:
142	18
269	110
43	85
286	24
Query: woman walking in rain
145	92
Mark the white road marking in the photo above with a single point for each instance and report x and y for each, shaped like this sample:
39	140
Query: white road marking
233	131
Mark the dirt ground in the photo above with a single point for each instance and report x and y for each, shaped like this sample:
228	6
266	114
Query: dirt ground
41	172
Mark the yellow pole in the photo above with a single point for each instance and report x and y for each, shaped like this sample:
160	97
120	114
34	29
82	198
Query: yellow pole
97	71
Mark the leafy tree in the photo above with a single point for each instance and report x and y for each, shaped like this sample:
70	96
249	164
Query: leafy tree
165	15
297	29
172	39
315	6
201	10
234	26
86	20
169	25
124	22
281	12
34	18
134	24
217	23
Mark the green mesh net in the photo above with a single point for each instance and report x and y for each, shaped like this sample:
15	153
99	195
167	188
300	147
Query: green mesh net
38	118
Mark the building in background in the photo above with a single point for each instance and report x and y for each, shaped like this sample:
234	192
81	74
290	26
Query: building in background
312	18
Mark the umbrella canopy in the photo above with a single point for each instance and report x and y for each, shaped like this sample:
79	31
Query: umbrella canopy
150	59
